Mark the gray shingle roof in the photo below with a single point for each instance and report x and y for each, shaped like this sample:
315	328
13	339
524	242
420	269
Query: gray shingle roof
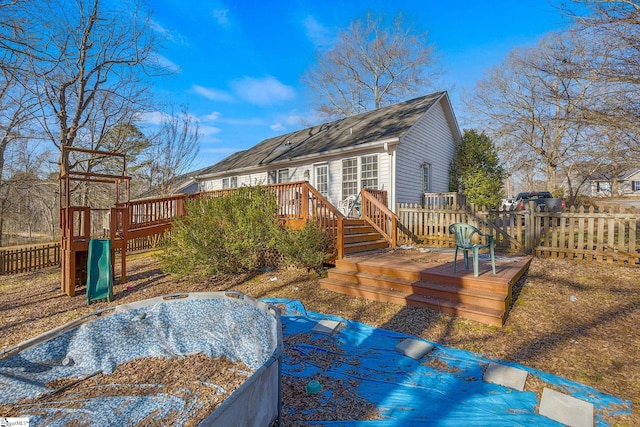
372	126
600	176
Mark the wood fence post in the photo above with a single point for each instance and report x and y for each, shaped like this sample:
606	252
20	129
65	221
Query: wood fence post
530	226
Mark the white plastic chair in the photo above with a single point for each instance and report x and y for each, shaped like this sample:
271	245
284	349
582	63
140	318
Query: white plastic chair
345	205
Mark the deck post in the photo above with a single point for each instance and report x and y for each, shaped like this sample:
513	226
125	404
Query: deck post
126	223
305	201
340	238
394	231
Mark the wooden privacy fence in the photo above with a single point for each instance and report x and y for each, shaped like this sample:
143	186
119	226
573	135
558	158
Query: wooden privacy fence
576	233
20	260
611	237
431	226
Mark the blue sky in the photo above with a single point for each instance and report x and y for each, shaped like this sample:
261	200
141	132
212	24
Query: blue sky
239	63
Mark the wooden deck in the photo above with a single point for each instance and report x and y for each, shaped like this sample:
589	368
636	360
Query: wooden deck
426	279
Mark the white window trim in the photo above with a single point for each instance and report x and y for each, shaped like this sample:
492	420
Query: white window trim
342	181
276	176
360	171
232	182
315	177
427	171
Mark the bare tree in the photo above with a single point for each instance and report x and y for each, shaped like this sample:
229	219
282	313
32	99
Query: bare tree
373	64
173	151
23	192
88	66
16	34
97	55
17	106
535	100
110	127
611	29
616	23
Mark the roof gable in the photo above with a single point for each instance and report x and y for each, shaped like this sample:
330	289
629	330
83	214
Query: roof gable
631	174
372	126
624	176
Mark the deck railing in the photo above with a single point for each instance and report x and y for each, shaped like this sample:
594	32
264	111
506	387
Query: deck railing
379	215
147	213
379	195
443	200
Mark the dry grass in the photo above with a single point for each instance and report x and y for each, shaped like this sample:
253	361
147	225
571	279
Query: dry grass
577	320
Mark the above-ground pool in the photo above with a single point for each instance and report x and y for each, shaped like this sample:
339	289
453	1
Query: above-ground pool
51	379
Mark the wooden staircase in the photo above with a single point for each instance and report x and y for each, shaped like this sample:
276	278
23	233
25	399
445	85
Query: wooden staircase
361	237
385	278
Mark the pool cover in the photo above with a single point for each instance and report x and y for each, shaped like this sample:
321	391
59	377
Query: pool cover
443	388
215	324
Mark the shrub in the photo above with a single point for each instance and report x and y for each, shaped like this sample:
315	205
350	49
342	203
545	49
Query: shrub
476	170
308	247
225	234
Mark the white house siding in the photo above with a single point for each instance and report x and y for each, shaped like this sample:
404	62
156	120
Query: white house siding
602	188
429	140
248	179
628	186
297	173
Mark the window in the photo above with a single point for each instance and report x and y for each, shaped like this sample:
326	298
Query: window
603	186
349	178
278	176
231	182
426	177
283	175
369	172
321	179
635	185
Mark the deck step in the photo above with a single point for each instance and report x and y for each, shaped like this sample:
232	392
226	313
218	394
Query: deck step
358	229
478	313
361	237
423	273
357	247
427	279
468	295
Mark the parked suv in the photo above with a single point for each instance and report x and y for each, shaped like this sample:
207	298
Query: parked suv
543	199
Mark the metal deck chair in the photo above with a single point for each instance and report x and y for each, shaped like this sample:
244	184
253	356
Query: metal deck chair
464	240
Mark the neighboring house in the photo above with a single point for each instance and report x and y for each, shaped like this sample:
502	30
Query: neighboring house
405	149
600	184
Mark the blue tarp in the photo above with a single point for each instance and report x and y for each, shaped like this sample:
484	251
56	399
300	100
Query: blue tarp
443	388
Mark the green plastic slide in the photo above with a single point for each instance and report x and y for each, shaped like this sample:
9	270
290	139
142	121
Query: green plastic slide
99	277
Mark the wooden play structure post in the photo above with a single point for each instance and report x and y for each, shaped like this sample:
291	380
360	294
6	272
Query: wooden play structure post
75	221
76	229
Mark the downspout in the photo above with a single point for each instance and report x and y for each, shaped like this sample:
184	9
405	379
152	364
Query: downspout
391	156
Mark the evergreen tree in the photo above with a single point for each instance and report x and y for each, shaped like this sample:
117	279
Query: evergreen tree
476	170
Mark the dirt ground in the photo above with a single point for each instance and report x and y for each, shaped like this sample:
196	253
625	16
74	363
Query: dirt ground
574	319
